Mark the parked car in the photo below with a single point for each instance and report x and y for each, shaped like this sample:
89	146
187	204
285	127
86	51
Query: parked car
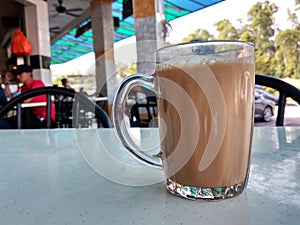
267	95
264	108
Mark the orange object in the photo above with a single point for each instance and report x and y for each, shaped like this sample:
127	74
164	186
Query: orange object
20	45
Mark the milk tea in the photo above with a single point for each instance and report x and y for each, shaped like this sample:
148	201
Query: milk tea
236	83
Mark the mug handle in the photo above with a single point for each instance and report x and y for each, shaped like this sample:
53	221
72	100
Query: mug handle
128	83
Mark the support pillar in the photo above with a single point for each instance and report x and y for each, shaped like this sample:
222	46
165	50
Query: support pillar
37	31
103	35
149	17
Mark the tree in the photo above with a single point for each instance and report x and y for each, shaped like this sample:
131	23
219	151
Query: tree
288	52
126	70
246	36
199	33
226	30
297	4
262	31
287	56
294	19
262	21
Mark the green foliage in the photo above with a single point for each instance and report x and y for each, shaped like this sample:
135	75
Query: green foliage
226	30
126	70
199	33
246	36
277	51
261	17
297	4
77	81
288	52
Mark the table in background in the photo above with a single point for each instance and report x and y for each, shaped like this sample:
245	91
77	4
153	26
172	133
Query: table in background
49	177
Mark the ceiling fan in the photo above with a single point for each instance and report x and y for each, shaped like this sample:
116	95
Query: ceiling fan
60	9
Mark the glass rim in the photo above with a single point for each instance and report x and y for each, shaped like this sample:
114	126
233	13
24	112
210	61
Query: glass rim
199	43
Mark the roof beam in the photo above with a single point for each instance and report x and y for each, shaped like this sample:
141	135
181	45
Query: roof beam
74	23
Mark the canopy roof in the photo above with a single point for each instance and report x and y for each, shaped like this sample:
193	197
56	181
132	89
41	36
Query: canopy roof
69	47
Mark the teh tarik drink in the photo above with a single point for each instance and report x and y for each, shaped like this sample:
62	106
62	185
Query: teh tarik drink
218	86
205	100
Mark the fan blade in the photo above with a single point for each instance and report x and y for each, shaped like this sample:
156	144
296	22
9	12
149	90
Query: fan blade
74	9
71	14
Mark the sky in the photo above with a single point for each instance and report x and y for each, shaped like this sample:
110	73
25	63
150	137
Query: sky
233	10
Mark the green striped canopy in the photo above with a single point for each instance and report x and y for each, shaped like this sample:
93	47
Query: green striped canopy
69	47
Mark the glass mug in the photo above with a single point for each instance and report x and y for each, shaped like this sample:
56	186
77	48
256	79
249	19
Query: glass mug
205	100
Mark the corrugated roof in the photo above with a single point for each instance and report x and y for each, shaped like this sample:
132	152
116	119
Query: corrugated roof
69	47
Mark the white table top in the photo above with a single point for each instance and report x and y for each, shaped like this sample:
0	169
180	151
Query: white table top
52	177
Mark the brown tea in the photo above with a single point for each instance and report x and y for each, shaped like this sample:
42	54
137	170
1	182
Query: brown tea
236	83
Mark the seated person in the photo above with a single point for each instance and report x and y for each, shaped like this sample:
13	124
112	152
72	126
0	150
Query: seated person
3	97
12	88
65	83
3	101
36	117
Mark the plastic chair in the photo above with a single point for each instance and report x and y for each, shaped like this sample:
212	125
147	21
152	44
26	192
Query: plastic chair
285	90
141	113
80	100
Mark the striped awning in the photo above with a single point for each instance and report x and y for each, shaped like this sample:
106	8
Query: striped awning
69	47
